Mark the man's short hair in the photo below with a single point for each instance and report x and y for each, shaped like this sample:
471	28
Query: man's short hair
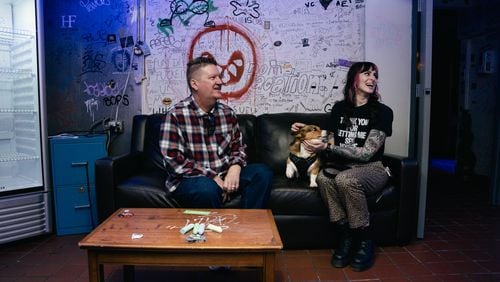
195	64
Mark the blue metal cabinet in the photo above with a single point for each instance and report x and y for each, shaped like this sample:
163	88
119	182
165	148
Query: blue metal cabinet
72	159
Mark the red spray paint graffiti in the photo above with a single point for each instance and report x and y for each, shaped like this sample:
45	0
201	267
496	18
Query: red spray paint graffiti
240	68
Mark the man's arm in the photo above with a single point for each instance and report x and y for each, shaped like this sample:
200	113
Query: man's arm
373	143
237	147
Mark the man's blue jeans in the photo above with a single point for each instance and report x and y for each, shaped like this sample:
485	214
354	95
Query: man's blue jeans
203	192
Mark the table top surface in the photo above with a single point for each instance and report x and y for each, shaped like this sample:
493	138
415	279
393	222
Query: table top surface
159	229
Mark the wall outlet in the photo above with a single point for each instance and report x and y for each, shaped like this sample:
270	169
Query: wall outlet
114	126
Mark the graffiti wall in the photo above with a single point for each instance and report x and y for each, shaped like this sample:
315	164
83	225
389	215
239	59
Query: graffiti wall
91	68
89	59
113	59
275	56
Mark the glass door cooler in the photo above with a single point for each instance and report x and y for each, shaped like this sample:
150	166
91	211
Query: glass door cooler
24	189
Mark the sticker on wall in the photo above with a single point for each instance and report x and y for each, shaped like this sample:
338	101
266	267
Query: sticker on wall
141	48
127	41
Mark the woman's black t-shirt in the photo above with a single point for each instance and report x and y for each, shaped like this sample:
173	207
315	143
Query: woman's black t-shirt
364	118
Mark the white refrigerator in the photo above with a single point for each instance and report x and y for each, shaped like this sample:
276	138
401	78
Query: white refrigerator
25	201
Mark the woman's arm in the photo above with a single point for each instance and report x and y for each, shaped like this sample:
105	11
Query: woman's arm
373	143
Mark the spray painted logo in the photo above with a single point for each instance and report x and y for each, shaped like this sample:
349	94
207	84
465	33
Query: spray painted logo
184	12
235	53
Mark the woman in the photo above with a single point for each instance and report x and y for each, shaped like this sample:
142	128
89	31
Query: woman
360	124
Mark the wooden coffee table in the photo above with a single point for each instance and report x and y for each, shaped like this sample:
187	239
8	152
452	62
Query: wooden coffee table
140	236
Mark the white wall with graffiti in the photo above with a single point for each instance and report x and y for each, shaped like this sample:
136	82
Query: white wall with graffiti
113	59
276	56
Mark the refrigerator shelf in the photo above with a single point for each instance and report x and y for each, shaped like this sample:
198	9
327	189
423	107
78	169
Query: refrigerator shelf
9	36
17	182
11	74
18	110
14	157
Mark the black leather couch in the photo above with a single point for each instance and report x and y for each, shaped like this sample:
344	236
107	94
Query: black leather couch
136	179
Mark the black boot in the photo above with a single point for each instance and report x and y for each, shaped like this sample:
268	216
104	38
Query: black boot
342	255
364	256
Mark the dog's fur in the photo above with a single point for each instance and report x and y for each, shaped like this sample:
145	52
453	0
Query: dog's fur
299	155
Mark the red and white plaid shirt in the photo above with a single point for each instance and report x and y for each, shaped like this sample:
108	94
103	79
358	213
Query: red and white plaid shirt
196	143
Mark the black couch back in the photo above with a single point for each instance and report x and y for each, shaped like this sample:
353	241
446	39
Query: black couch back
145	139
267	137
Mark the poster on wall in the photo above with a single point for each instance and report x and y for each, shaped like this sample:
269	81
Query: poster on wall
274	56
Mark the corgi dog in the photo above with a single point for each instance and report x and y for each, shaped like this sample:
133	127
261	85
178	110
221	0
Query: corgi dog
300	162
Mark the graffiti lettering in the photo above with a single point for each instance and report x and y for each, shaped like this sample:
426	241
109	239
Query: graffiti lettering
290	84
328	107
91	5
92	62
101	89
343	3
115	100
92	107
162	42
68	23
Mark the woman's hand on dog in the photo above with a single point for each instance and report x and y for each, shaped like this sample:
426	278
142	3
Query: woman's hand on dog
313	146
296	126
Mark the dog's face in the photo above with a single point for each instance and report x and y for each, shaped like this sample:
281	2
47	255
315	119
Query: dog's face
308	132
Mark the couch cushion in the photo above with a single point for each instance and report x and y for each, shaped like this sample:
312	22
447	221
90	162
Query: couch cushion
144	190
295	197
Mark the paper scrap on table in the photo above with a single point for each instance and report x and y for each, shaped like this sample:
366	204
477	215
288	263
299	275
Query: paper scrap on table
136	236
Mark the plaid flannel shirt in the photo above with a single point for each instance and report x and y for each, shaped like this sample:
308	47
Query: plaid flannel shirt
195	143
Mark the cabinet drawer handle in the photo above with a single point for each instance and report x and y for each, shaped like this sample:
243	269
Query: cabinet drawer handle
82	207
79	164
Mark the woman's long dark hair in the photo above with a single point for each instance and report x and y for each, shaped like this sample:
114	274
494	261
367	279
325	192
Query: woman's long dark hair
350	88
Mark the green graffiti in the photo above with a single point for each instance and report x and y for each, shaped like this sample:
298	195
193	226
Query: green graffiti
165	25
183	12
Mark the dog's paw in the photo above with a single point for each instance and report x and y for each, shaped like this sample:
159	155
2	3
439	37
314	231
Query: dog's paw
291	170
312	181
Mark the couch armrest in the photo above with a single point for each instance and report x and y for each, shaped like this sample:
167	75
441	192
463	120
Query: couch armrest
404	171
109	171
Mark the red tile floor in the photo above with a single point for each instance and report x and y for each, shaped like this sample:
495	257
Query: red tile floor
462	243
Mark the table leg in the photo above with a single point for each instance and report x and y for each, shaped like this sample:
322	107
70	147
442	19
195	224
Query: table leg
101	272
95	271
128	273
268	269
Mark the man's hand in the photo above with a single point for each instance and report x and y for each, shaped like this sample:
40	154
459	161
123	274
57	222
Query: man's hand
314	145
232	179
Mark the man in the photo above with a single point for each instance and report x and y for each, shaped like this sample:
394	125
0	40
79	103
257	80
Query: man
203	148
